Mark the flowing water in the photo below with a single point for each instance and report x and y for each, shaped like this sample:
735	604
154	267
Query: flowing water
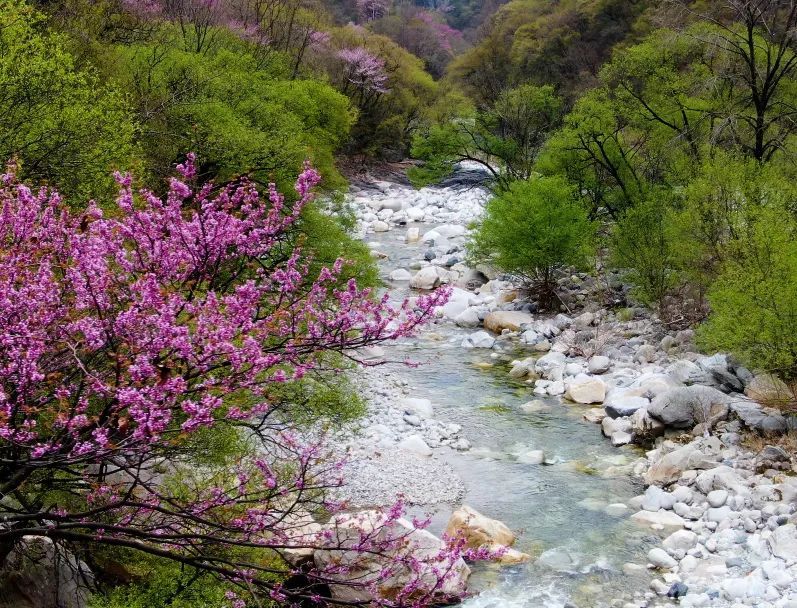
558	508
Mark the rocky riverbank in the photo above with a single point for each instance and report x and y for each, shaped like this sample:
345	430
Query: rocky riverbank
720	492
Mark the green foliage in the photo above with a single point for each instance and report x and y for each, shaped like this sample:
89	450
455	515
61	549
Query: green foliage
65	126
642	243
505	139
715	208
542	42
239	114
754	309
325	239
163	585
328	397
625	314
534	229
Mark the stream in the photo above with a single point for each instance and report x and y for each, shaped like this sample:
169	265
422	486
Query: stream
558	509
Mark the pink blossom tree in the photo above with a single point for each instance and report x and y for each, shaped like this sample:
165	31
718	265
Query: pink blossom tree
363	71
446	35
124	336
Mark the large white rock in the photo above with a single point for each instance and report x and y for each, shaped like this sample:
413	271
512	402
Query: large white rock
389	573
478	530
669	467
599	364
661	518
661	559
457	303
413	234
400	274
480	339
393	204
532	457
450	230
679	542
468	318
551	366
651	385
655	498
643	427
431	236
419	407
380	226
426	278
783	542
585	389
415	214
416	444
618	403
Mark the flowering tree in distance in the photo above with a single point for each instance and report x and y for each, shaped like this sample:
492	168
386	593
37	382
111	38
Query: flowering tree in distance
363	71
123	338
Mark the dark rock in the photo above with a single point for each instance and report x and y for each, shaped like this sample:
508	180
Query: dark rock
744	374
758	418
726	381
429	255
774	453
685	407
678	590
40	574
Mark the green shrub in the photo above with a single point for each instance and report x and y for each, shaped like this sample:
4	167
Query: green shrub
754	308
65	127
642	245
534	229
163	585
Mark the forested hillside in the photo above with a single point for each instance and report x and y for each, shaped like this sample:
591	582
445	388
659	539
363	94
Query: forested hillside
184	283
669	128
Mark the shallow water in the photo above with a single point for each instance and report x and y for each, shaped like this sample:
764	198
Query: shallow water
558	506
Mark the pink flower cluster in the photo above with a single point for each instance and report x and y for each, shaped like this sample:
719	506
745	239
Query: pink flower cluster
446	35
123	334
364	70
113	330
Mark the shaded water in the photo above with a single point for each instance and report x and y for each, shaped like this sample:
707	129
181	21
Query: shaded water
559	506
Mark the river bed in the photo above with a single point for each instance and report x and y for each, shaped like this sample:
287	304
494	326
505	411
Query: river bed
559	509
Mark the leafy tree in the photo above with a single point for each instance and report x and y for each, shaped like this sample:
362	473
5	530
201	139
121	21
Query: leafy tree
65	127
754	311
541	42
242	116
177	317
596	153
534	229
643	243
757	73
505	140
714	209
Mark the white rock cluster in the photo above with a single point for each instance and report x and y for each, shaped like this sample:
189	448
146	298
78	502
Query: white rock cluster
726	515
728	520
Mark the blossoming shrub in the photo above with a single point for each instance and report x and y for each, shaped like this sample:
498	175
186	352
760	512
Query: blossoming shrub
129	345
